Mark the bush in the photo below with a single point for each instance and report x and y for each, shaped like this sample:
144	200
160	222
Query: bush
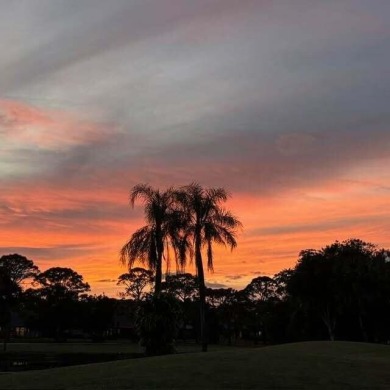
157	321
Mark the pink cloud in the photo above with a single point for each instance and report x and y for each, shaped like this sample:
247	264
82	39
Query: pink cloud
27	125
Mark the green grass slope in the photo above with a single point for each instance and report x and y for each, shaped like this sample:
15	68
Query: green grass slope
311	365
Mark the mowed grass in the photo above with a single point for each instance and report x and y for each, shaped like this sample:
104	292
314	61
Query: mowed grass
89	347
310	365
74	347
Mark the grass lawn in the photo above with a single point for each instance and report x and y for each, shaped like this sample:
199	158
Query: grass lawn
311	365
89	347
73	347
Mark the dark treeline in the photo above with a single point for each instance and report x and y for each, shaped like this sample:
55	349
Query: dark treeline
56	303
339	292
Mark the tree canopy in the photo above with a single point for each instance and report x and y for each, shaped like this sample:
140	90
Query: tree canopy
19	268
62	281
135	282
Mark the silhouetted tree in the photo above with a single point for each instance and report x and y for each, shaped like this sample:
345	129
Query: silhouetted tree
9	291
339	284
59	293
18	267
147	244
313	283
359	268
216	297
157	321
262	288
135	282
207	223
281	280
183	286
60	281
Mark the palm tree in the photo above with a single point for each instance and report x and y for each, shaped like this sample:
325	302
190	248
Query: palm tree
147	244
207	223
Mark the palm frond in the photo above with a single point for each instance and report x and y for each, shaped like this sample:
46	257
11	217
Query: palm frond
141	247
217	195
183	249
226	218
227	235
210	265
143	191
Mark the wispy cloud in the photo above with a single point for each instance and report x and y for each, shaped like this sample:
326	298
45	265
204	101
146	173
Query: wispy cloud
216	285
25	126
106	281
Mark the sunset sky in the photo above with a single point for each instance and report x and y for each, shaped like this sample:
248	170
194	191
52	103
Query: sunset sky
286	104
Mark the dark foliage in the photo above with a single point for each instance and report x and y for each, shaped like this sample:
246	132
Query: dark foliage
135	282
157	323
19	268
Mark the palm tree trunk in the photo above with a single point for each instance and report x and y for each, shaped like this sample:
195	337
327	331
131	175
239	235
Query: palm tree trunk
362	328
330	323
202	294
160	250
157	285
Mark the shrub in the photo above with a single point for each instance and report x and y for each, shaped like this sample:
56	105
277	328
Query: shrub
157	321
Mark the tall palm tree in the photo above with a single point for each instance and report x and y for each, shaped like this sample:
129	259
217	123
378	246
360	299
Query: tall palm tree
147	244
207	223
